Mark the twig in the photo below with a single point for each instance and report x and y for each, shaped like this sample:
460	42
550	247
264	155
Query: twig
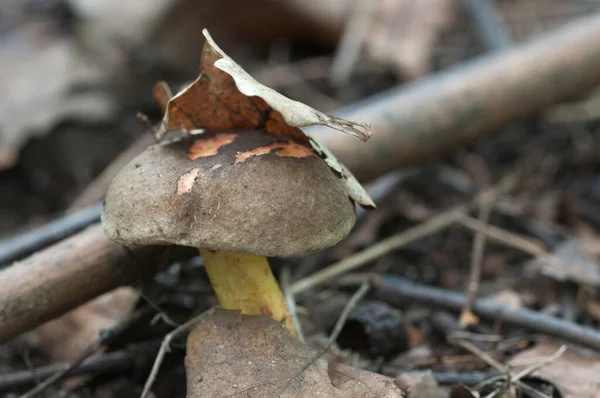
469	101
160	313
356	297
397	241
371	253
284	280
492	362
112	362
398	291
354	35
505	237
337	329
443	378
513	240
473	349
515	379
166	347
561	350
466	317
18	246
106	336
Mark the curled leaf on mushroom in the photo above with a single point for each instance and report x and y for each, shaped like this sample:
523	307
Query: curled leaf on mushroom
225	96
242	184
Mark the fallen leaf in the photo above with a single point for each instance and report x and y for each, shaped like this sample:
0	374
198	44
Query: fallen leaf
400	33
573	264
575	373
39	71
229	354
225	97
64	339
421	385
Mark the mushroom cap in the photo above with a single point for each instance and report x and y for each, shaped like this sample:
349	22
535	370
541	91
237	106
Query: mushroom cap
237	191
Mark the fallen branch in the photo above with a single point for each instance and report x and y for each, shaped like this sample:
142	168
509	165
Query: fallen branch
445	111
398	291
113	362
20	245
67	274
444	378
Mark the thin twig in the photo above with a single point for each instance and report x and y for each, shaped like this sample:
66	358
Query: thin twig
356	297
284	280
160	313
525	372
404	238
505	237
377	250
351	44
467	317
492	362
112	362
513	240
20	245
106	337
166	347
398	291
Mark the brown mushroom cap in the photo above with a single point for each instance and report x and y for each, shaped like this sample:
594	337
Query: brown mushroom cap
238	191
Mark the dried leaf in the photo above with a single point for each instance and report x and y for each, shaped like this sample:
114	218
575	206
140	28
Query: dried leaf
225	97
400	33
574	265
38	73
63	339
575	373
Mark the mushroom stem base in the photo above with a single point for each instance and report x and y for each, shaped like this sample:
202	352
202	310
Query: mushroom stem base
245	282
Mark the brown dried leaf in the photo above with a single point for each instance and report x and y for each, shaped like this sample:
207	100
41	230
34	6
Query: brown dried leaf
63	339
224	96
408	45
38	73
574	264
232	355
400	33
575	373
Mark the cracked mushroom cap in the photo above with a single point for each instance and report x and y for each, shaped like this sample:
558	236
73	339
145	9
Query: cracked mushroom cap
244	191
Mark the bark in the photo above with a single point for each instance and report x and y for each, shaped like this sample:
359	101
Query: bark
67	274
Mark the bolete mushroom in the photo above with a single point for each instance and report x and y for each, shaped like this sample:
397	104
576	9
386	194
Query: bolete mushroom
239	197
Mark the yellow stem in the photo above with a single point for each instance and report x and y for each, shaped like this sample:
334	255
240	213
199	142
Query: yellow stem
245	282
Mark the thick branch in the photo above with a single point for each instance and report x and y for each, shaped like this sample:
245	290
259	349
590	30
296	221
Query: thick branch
67	274
446	111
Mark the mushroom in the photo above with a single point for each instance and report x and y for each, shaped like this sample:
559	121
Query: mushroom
239	197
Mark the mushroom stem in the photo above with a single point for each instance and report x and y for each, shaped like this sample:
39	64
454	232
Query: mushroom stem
245	282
